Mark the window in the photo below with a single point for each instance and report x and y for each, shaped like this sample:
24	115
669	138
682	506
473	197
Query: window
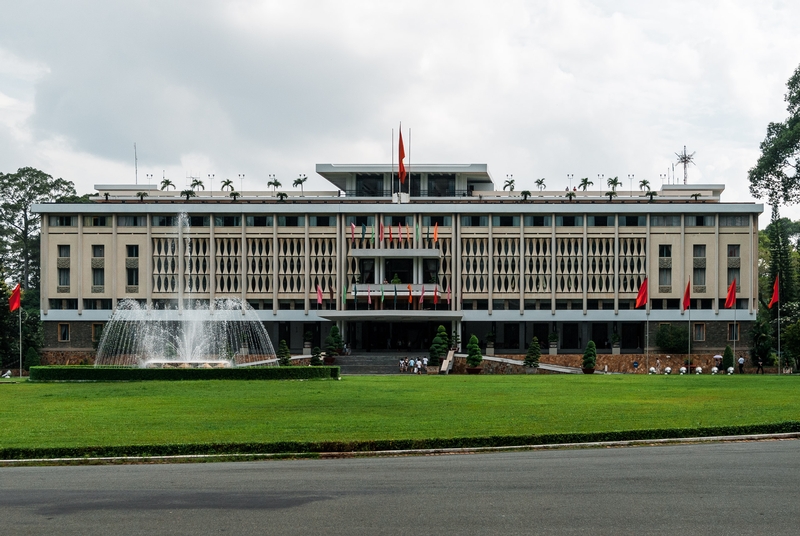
505	221
474	221
569	221
699	251
369	185
693	220
699	332
200	221
59	304
96	221
394	220
665	277
699	272
632	221
98	277
665	221
734	220
228	221
63	221
132	277
98	250
698	276
441	184
665	250
132	250
601	221
63	277
430	221
63	250
359	220
259	221
538	221
63	333
733	331
734	273
132	221
291	221
325	221
97	332
165	221
97	305
733	250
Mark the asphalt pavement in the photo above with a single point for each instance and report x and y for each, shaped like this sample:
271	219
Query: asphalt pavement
731	488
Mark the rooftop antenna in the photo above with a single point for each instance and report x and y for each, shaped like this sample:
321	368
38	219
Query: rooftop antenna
685	159
135	164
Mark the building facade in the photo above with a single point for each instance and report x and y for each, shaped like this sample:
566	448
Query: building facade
388	268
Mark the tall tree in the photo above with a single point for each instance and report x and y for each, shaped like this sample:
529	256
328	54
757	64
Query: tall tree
776	175
21	227
781	261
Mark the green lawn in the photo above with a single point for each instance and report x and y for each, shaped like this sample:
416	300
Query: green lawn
397	407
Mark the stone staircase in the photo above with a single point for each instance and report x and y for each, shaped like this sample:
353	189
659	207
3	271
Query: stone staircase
373	363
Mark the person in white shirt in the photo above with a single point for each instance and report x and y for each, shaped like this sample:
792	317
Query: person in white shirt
741	365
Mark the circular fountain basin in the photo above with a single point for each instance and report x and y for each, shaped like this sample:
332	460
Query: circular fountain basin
166	363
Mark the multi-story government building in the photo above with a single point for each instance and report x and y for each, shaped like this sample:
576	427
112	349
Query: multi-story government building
515	264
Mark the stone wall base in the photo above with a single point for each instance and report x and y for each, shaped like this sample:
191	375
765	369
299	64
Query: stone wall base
67	357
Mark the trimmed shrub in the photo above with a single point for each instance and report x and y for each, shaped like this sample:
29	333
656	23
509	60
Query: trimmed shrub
66	373
727	358
333	342
284	355
474	356
316	357
590	356
534	354
434	353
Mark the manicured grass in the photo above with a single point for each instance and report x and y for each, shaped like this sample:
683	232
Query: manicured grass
378	408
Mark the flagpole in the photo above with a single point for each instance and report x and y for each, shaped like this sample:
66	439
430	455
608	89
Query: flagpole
780	364
409	161
392	173
20	337
689	368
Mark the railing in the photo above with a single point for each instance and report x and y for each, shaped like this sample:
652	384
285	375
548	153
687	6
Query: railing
414	193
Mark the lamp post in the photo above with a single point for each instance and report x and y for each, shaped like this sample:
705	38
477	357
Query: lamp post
663	177
241	182
149	176
570	176
630	181
211	183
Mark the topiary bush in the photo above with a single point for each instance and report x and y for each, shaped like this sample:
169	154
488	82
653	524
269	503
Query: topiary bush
333	342
284	355
316	357
534	353
474	356
727	358
590	356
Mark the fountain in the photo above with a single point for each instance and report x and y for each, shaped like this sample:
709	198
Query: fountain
228	335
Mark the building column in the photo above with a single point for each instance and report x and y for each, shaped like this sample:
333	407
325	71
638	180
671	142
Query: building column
616	264
44	267
275	269
212	271
148	262
307	266
683	258
79	262
585	263
243	252
113	262
553	264
490	258
521	264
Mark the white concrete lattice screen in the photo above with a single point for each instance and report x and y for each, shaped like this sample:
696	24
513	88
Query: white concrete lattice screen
569	265
165	265
475	265
259	259
229	269
538	269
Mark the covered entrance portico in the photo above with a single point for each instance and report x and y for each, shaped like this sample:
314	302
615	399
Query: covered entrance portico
376	330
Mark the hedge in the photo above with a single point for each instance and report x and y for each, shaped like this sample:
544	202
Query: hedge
64	373
297	447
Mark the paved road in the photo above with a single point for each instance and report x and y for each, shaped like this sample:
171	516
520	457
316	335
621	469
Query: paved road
741	488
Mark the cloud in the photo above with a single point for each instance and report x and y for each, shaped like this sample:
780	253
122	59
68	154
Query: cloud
537	89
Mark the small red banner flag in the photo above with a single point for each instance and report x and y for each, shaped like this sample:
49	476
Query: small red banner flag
641	299
730	299
776	293
687	301
410	297
401	168
13	301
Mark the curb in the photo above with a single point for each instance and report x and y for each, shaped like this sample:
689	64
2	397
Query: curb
108	460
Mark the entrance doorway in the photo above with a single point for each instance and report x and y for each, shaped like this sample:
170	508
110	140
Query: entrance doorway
402	268
392	336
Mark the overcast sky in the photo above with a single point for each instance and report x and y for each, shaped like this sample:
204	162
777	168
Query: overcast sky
537	89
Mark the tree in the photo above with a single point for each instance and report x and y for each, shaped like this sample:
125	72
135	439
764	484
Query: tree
611	195
534	354
509	185
570	195
333	342
284	355
590	356
300	181
227	184
651	194
439	346
282	197
141	196
234	195
19	226
525	195
644	184
474	356
585	183
275	183
197	183
540	184
166	183
781	260
316	357
673	339
685	159
776	175
696	196
614	184
188	194
761	335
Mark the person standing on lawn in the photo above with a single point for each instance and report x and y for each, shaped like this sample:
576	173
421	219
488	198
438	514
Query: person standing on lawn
741	365
760	366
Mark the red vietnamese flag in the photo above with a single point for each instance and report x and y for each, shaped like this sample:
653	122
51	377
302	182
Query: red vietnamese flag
380	233
687	301
319	294
436	232
353	231
369	296
390	234
730	300
399	232
422	295
13	301
410	298
436	295
448	294
641	299
401	168
776	293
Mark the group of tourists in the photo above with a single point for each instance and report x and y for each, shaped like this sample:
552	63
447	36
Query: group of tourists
415	366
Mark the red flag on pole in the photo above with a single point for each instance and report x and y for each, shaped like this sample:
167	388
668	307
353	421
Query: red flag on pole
436	232
353	231
369	296
776	293
641	299
13	301
730	300
399	232
687	301
436	294
380	233
422	295
390	234
319	295
410	298
401	168
448	294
